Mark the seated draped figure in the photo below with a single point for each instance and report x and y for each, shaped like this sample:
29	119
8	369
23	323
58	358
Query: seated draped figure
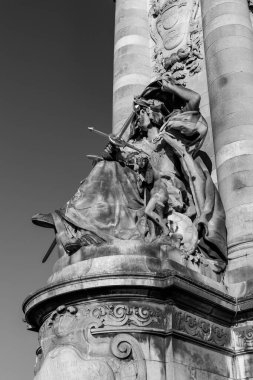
152	187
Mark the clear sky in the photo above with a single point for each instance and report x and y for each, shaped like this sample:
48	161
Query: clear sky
56	64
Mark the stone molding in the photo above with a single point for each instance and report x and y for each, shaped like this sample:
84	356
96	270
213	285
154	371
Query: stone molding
40	304
104	318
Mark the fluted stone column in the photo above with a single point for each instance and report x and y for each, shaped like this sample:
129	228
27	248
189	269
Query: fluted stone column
132	57
228	43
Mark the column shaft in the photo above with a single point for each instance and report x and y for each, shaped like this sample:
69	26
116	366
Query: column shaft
132	58
228	43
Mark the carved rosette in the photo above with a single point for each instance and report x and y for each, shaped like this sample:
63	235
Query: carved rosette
176	29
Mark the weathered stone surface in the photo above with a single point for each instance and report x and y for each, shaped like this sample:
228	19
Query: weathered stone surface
140	338
130	339
190	359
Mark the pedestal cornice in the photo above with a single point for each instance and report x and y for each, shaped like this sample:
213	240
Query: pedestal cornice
185	291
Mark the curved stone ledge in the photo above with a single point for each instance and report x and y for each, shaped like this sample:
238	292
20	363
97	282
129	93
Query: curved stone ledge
188	289
134	257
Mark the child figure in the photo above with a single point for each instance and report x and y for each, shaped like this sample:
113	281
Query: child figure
163	195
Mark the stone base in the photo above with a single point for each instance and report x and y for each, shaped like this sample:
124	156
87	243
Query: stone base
132	340
134	257
113	319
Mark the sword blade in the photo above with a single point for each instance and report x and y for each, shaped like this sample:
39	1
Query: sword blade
98	132
50	250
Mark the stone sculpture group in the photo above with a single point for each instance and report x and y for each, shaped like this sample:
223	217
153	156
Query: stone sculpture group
150	185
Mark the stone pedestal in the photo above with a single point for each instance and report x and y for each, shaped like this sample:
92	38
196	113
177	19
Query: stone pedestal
150	314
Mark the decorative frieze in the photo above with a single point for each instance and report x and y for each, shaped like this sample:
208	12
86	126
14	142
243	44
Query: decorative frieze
125	315
66	323
200	328
106	335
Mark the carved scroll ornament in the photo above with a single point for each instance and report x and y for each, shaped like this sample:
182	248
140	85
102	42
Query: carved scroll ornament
101	338
244	337
74	332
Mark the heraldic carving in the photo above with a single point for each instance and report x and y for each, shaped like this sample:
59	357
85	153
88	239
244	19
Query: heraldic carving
176	29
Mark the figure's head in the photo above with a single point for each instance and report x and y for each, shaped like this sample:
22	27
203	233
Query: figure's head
151	108
148	114
143	119
142	161
173	23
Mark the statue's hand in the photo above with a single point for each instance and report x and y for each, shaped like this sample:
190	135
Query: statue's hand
178	76
167	78
167	82
158	138
108	152
116	141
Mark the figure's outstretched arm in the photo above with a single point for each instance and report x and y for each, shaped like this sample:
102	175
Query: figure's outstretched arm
191	97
